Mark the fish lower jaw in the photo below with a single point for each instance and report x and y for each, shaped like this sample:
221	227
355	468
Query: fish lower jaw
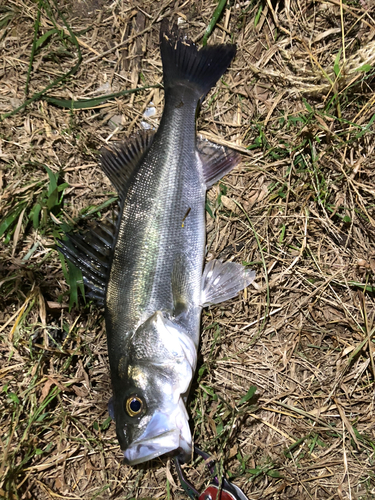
144	450
167	431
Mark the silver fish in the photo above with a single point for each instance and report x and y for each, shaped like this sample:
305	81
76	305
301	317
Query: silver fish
153	287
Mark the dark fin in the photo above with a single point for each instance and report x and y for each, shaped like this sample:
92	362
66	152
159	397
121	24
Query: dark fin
91	252
217	160
179	286
184	63
223	280
111	408
119	160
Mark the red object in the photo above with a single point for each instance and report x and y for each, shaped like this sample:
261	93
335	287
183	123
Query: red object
213	493
227	490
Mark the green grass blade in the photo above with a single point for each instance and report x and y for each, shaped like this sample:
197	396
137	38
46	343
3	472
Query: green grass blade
217	13
57	81
92	210
12	216
36	215
52	180
44	38
75	284
250	393
258	14
33	48
95	101
366	128
336	66
267	308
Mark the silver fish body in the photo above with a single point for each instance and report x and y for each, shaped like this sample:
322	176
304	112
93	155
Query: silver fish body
156	286
155	280
153	237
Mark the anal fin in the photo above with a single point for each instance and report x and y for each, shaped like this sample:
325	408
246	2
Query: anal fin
223	280
217	160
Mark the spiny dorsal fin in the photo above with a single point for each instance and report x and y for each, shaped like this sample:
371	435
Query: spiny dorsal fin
91	252
217	160
223	280
119	160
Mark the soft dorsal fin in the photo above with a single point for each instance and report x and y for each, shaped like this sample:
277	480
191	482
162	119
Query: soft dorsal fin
119	160
223	280
217	160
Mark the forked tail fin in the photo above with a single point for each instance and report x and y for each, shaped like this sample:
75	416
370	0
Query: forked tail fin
184	63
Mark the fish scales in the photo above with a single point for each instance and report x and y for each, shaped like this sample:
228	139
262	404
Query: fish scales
152	232
156	287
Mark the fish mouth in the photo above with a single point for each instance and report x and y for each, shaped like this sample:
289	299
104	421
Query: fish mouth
165	433
142	451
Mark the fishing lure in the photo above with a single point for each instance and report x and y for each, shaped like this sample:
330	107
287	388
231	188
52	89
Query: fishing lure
216	490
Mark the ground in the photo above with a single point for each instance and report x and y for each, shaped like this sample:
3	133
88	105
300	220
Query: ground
298	103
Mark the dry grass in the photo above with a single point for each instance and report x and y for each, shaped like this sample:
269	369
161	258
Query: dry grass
299	102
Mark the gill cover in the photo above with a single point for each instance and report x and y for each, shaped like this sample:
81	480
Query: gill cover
166	357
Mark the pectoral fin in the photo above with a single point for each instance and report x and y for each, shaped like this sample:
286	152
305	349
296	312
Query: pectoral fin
223	280
180	286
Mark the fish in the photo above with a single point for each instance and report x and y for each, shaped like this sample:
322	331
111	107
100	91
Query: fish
147	269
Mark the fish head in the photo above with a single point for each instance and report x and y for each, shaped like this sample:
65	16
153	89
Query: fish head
150	390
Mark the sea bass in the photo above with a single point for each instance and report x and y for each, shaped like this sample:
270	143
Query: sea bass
149	274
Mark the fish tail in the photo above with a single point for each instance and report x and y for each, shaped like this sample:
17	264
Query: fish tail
184	63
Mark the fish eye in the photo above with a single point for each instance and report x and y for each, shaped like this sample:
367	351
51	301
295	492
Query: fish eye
134	406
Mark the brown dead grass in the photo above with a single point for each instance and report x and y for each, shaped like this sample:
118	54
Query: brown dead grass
303	335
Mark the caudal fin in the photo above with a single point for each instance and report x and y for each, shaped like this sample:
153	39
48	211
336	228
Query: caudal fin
183	62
